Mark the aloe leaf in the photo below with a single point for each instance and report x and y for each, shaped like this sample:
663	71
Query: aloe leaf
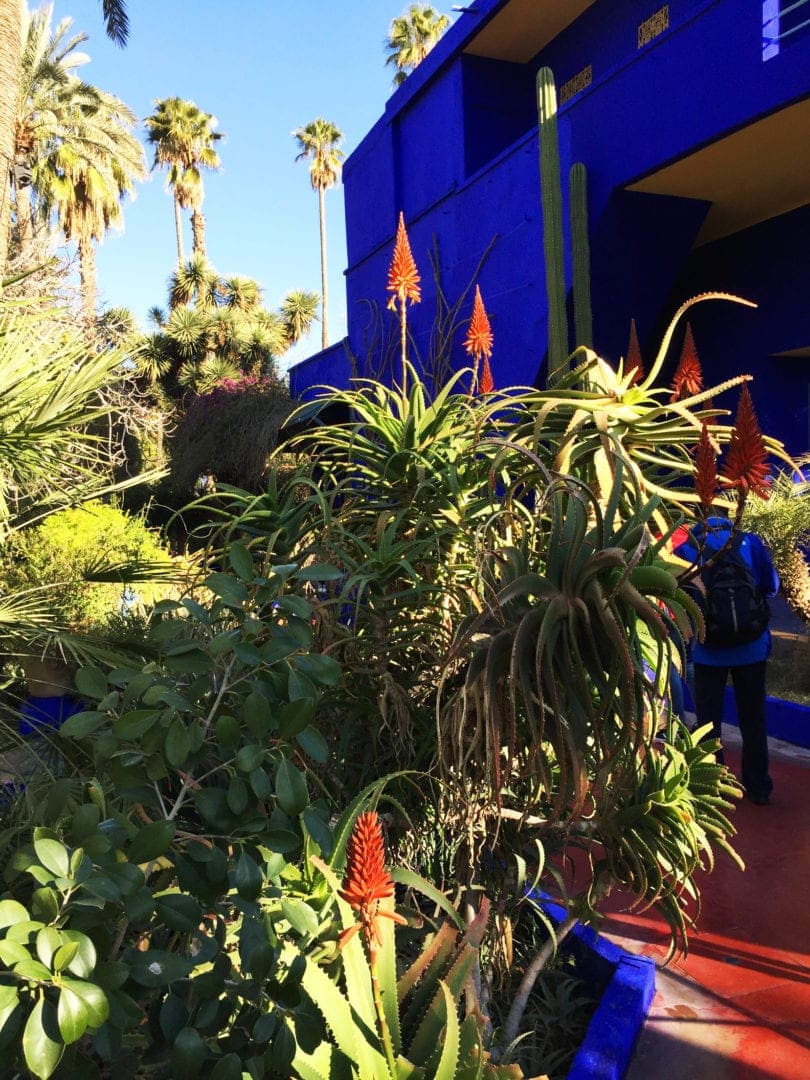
448	1062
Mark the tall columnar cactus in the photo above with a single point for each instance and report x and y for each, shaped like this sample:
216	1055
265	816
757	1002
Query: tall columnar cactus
551	199
583	315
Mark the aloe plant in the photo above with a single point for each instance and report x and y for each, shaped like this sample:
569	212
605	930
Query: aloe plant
382	1027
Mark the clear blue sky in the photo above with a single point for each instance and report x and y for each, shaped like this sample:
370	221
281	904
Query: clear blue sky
263	68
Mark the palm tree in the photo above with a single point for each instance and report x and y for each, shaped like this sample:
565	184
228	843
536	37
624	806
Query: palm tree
412	36
12	37
299	310
318	142
85	178
184	140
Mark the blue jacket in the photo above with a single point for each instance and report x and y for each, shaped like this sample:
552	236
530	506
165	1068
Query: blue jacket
756	555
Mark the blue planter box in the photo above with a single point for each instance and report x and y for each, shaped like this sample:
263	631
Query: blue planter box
624	984
786	719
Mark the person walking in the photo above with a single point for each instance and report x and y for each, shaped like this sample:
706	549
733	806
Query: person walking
737	579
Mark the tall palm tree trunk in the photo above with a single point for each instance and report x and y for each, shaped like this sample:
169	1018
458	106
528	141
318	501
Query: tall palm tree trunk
198	233
87	280
324	287
10	57
178	228
25	223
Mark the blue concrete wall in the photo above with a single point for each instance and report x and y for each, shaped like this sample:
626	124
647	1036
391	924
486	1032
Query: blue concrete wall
442	152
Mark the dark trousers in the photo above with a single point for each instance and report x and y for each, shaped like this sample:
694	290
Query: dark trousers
749	694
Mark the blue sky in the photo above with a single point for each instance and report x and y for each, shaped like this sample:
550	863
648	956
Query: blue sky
263	68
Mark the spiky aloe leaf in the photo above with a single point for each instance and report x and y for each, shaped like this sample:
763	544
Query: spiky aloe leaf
448	1062
348	1027
424	1043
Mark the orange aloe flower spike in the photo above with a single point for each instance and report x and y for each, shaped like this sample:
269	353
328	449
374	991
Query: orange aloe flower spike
688	377
486	384
403	276
634	364
746	464
705	470
479	338
367	881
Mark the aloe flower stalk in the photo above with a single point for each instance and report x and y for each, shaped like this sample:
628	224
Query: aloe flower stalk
403	283
478	343
705	470
634	365
746	463
688	379
365	884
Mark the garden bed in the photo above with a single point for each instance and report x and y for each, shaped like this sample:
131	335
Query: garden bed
624	984
787	720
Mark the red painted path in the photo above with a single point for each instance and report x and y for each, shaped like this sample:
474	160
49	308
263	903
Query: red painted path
738	1007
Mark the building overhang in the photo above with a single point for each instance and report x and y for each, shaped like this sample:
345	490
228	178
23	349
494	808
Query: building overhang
521	28
756	173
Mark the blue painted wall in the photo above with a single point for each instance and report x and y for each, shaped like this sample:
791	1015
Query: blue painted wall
457	148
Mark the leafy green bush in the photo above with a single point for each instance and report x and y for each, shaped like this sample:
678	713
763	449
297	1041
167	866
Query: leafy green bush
58	556
162	885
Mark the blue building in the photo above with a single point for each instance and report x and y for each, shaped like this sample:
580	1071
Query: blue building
693	119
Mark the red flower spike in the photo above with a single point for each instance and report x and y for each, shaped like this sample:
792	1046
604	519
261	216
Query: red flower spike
403	277
746	464
705	470
634	364
688	377
479	338
367	881
486	384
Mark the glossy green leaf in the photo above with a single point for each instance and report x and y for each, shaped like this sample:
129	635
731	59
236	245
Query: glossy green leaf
313	744
41	1044
189	1053
228	588
241	560
294	716
91	682
48	940
12	911
247	654
321	669
73	1016
261	784
93	998
248	878
178	911
82	724
54	856
300	916
84	961
9	1000
291	788
178	743
319	831
238	796
151	840
134	724
228	731
249	758
228	1068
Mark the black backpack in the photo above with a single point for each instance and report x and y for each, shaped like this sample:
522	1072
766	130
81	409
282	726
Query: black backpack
734	607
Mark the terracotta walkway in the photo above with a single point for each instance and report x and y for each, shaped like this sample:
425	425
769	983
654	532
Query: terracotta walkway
738	1008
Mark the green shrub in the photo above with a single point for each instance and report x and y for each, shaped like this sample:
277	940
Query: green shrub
229	433
59	555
